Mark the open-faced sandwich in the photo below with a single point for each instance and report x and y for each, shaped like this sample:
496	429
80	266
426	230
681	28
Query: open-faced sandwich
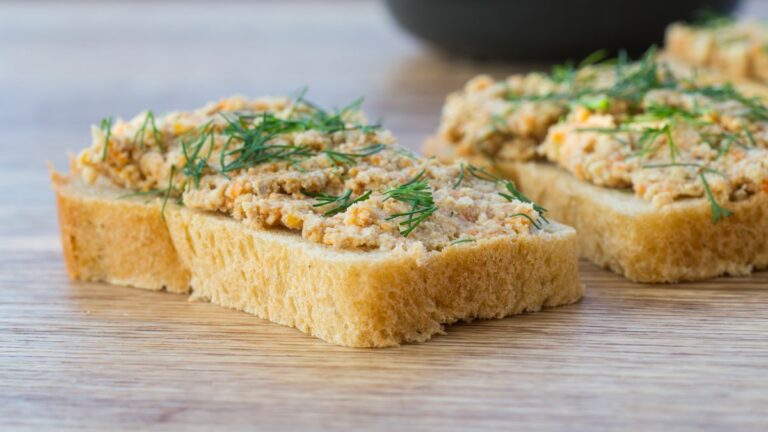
737	50
665	179
309	218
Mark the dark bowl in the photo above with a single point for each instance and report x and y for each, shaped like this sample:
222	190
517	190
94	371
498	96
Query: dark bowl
545	29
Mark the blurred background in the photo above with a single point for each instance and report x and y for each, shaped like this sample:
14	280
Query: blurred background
66	64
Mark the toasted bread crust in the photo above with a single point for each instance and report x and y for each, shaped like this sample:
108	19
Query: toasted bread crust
676	243
359	299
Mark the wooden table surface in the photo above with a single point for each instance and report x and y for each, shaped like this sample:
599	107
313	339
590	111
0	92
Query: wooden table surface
92	356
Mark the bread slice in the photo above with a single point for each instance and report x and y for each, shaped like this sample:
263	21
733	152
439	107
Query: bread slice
744	62
627	234
356	299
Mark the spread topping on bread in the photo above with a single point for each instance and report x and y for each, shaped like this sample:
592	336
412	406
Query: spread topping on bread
285	163
620	125
738	49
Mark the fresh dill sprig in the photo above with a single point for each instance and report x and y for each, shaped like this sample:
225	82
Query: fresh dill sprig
402	151
343	201
460	178
725	145
340	158
106	128
674	152
513	192
168	191
330	121
656	112
255	138
755	108
533	222
718	212
255	133
463	240
750	137
418	194
482	174
567	73
139	136
195	164
646	139
631	84
165	193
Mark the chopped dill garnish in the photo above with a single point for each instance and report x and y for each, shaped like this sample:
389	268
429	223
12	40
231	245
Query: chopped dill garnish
750	137
168	191
255	137
718	212
340	158
460	178
255	132
568	74
515	194
463	240
149	120
330	122
402	151
600	103
343	201
196	164
106	128
632	83
754	107
482	174
418	194
165	193
725	145
530	219
674	152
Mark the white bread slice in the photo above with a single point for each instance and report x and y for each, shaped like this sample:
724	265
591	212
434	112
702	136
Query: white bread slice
356	299
690	51
622	232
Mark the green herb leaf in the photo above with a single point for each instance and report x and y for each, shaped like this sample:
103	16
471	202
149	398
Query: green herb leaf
463	240
343	202
149	120
460	178
168	191
718	212
106	128
196	164
418	194
515	194
340	158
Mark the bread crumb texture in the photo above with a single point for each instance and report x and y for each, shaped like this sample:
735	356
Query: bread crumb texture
349	298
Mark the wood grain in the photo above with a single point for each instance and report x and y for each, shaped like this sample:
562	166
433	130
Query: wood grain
95	357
